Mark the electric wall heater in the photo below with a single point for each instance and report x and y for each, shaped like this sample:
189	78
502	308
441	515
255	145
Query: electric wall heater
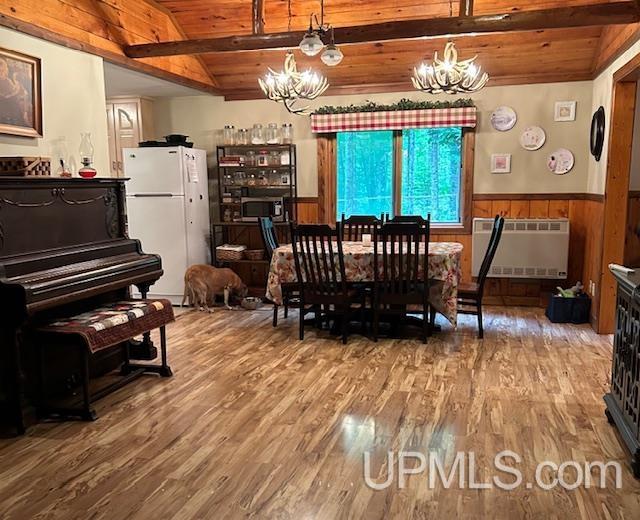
529	248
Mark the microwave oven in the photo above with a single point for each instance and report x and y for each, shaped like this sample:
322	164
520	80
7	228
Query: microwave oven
252	208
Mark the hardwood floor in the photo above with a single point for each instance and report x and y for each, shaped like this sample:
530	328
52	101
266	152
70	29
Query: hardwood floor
257	424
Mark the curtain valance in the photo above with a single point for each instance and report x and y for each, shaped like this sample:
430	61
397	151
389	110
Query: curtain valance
394	120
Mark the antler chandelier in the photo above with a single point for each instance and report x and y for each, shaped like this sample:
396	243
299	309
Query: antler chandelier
289	86
449	75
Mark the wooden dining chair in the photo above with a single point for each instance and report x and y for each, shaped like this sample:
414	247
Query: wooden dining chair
470	294
401	273
356	225
290	296
322	280
409	219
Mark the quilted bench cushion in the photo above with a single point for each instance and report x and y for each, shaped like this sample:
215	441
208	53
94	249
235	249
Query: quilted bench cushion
113	323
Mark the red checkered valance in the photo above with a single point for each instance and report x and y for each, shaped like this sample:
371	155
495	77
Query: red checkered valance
395	120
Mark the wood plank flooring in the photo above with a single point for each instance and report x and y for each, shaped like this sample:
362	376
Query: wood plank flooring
257	424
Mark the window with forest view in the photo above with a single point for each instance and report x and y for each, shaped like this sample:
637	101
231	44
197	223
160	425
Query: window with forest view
429	179
365	173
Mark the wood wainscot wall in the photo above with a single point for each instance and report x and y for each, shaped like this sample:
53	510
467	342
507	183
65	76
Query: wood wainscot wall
585	214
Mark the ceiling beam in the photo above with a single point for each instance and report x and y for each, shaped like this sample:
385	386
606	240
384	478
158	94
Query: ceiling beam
563	17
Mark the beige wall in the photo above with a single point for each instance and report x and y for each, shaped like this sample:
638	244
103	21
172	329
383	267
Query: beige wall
202	117
73	101
602	96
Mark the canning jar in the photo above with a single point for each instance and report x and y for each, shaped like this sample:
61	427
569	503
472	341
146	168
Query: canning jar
273	134
257	134
229	135
287	133
243	136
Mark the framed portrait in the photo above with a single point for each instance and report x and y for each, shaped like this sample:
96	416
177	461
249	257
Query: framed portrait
565	111
501	163
20	94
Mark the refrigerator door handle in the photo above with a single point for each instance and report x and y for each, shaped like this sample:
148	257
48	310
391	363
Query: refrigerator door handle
152	195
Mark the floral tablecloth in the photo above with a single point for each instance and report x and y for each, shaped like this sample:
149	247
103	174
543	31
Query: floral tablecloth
444	265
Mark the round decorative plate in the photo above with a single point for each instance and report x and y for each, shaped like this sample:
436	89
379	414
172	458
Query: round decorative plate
503	118
561	161
532	138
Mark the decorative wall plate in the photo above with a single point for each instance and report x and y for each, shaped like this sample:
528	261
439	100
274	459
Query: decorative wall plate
503	118
561	161
597	133
532	138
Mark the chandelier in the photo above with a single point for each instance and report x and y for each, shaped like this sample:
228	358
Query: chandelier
449	75
311	44
289	86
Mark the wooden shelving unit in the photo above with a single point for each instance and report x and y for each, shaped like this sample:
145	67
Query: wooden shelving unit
231	180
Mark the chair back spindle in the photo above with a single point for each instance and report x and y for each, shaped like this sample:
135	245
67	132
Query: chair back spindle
494	242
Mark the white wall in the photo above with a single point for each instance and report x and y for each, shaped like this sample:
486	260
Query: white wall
73	101
202	117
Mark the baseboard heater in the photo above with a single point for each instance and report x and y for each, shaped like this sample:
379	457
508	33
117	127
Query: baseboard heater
530	248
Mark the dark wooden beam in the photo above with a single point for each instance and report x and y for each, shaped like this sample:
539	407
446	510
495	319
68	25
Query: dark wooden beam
258	16
466	7
564	17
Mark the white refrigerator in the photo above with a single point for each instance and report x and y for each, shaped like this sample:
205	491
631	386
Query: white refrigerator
168	211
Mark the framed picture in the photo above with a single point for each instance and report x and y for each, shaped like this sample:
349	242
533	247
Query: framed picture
501	163
20	94
565	111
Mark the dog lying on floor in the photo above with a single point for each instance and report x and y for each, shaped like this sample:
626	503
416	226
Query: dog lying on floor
202	283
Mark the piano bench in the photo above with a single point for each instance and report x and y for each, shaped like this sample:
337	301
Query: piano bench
99	329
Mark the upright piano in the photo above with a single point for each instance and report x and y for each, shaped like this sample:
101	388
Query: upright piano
63	246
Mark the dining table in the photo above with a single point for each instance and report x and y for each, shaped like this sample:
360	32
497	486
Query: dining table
443	265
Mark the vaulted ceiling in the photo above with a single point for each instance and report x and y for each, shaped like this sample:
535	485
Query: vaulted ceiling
509	58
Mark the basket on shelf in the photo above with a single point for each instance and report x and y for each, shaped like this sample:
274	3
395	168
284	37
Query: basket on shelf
230	252
254	254
25	166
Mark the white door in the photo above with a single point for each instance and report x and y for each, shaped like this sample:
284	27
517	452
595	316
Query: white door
159	223
153	170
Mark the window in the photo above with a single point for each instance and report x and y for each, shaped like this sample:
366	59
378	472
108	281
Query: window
409	172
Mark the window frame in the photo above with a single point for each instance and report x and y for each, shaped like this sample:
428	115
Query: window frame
327	180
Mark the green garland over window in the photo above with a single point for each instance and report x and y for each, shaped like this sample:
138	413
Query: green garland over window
403	104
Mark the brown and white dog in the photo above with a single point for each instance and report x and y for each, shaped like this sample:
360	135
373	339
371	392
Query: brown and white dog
202	283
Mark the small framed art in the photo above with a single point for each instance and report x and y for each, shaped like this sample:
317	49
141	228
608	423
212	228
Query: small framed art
565	111
501	163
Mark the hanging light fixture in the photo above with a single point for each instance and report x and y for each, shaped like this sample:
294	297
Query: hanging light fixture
331	56
449	76
289	86
312	43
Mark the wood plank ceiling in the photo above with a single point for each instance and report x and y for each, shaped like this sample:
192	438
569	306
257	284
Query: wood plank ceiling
509	58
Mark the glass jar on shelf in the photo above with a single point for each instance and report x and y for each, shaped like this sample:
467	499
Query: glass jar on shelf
229	135
274	178
274	158
227	179
227	215
262	158
285	157
251	180
257	134
240	178
263	178
273	134
287	133
251	158
242	137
